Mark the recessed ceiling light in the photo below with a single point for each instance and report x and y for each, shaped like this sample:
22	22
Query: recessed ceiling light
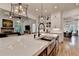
20	7
16	7
36	9
55	7
23	12
45	10
16	10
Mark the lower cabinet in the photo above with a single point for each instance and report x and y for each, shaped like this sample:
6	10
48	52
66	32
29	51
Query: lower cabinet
51	50
43	53
53	53
57	46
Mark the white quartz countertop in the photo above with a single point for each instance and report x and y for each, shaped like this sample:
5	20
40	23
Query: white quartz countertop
24	45
49	34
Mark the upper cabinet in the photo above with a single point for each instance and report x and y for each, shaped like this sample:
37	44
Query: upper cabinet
56	20
57	25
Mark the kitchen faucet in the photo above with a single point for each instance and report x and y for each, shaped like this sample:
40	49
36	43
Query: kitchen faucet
40	28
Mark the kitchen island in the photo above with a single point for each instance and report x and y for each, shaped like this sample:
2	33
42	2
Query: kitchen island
27	45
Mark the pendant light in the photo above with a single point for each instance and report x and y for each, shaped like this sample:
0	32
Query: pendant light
18	10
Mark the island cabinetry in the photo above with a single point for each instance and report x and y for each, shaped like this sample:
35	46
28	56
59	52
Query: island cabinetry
53	52
57	46
43	53
51	49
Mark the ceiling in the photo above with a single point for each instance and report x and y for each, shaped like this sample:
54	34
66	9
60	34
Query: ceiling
48	8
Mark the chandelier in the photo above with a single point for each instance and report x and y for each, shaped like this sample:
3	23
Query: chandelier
18	10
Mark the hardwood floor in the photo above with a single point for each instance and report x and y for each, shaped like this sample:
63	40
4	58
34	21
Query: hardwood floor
70	47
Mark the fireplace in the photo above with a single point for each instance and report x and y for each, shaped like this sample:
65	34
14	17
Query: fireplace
7	30
7	23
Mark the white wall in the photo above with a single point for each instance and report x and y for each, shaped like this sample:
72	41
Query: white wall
72	14
23	23
56	20
5	6
78	27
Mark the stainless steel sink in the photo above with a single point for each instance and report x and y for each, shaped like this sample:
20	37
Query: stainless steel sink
47	38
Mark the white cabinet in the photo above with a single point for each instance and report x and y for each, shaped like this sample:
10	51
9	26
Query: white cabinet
57	22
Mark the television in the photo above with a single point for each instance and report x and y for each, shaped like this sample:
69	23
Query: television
7	23
27	27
